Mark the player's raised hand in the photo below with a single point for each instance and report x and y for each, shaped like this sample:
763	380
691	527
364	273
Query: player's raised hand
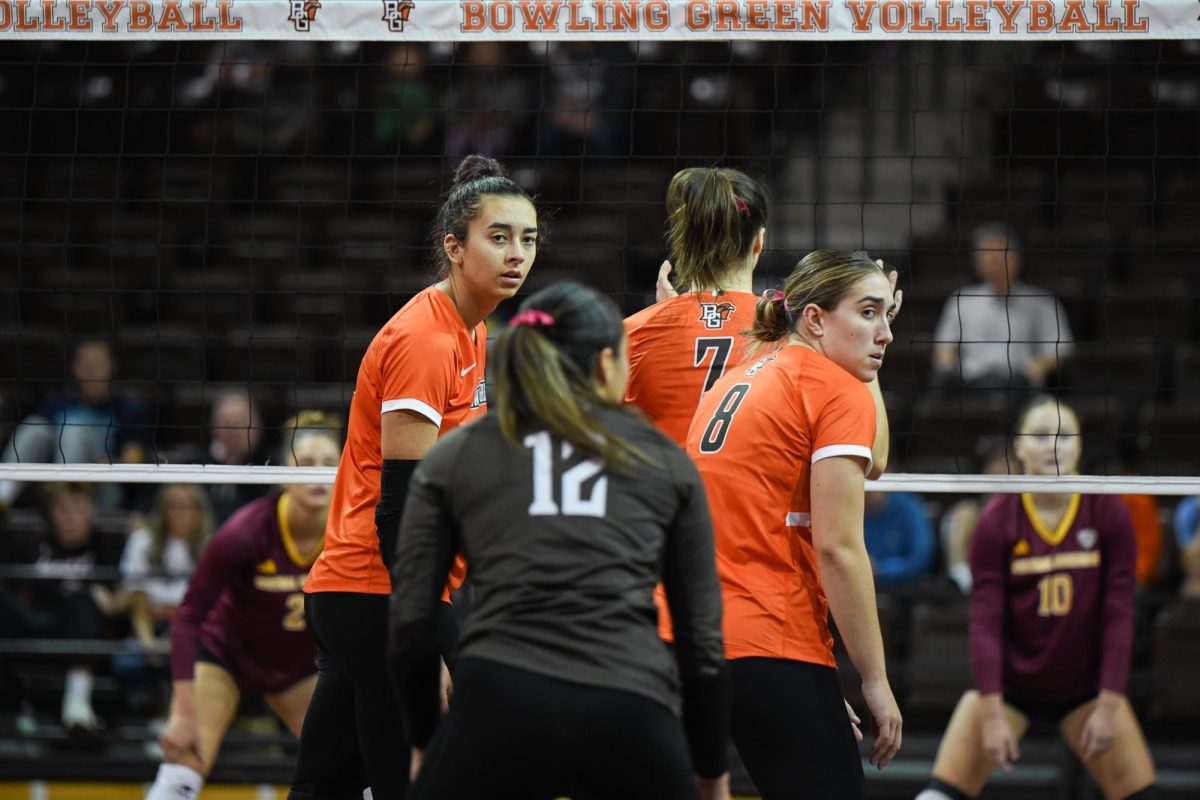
663	290
886	723
893	276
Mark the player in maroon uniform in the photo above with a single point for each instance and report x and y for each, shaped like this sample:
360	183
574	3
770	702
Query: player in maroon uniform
1051	626
241	625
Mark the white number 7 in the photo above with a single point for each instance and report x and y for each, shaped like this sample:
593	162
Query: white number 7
571	493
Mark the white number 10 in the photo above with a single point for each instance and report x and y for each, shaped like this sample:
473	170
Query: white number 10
571	492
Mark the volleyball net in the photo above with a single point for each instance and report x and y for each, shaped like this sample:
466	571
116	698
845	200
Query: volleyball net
232	196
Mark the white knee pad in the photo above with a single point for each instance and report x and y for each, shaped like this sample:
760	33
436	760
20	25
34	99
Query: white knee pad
175	782
933	794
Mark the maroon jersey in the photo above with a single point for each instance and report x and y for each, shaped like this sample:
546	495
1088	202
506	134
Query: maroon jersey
245	602
1052	609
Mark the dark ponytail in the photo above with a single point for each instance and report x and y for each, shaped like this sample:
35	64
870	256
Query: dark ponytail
544	368
713	218
475	177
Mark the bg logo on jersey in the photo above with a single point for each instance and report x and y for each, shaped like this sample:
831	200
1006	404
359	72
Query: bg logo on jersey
302	14
715	315
395	13
480	397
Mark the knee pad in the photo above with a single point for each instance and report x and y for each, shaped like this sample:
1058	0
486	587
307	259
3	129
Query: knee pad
175	782
940	790
1149	793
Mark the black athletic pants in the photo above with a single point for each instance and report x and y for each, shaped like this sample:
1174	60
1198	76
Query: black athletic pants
513	733
352	735
791	730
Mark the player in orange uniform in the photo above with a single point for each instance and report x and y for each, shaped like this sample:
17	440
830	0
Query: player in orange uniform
422	376
783	443
678	348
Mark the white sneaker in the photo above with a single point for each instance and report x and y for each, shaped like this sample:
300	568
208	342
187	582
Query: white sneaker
77	715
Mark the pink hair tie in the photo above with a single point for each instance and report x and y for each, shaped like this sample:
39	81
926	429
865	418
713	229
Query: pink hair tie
776	296
743	209
534	318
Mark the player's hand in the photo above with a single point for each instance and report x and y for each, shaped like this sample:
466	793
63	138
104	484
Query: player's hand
999	742
414	763
893	276
713	788
854	722
663	290
1098	732
886	723
177	738
446	684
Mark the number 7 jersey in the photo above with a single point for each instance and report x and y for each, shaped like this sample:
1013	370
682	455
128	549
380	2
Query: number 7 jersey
679	348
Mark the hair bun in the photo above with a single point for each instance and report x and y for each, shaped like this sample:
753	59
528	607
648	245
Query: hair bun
474	167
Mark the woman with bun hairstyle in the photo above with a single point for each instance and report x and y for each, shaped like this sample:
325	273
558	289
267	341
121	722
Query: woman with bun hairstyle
569	509
421	377
784	443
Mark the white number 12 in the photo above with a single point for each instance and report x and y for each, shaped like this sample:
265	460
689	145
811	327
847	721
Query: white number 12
571	492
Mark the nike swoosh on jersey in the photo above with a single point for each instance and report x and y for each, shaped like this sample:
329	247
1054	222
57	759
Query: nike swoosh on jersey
464	372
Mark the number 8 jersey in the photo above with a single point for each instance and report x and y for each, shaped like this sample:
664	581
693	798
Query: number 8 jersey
754	439
1052	610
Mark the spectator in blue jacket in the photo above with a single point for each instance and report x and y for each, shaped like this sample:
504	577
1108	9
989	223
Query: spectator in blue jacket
899	537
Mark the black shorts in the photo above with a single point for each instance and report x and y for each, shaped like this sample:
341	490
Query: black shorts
791	729
1052	711
209	657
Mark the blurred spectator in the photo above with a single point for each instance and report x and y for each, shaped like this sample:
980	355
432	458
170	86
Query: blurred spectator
158	560
1001	333
899	537
958	522
87	425
237	440
408	110
64	602
1187	521
585	84
487	105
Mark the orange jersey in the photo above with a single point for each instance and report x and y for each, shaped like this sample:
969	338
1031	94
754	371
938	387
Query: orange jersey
422	360
754	440
679	348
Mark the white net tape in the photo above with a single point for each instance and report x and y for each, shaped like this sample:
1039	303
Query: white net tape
937	484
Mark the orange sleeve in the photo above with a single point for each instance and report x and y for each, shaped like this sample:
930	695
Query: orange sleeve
845	424
417	372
